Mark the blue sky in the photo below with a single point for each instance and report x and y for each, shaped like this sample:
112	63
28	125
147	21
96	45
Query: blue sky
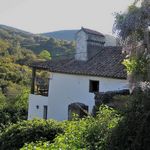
39	16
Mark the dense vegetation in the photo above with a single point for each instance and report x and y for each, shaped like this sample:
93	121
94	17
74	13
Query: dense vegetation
110	130
88	133
16	135
132	27
14	82
133	131
57	48
37	43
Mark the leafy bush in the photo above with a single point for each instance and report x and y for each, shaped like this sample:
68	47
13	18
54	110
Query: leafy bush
45	55
121	102
2	100
137	65
40	145
13	108
81	134
133	132
21	100
100	128
73	138
10	115
15	136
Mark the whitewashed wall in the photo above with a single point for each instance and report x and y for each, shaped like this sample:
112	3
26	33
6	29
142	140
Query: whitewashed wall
65	89
34	101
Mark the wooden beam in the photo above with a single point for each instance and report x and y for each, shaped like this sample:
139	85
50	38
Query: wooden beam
33	80
147	39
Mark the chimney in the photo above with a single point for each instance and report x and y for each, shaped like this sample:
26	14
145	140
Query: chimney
88	44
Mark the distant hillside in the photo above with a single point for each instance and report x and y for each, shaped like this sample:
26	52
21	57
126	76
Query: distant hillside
68	35
14	30
23	37
36	42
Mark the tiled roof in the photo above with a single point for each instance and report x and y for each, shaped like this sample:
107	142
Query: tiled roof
107	63
89	31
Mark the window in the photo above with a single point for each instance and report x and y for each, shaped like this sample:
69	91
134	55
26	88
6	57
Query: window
45	112
93	86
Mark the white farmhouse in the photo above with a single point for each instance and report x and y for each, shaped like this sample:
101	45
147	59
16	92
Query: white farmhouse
95	68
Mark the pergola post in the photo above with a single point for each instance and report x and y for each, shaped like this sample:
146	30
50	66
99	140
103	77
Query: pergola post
33	80
147	39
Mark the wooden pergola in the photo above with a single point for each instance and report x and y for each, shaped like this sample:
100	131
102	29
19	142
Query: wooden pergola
147	39
41	89
33	80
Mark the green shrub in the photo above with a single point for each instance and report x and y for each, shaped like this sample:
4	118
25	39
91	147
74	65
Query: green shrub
2	100
133	132
44	54
13	108
100	128
15	136
10	115
121	102
82	134
72	139
40	145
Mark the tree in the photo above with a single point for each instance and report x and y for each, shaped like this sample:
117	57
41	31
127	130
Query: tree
45	55
132	28
4	45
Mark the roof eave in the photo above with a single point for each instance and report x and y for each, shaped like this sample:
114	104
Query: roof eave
82	74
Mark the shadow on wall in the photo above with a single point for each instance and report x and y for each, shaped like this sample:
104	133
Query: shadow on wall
79	109
107	98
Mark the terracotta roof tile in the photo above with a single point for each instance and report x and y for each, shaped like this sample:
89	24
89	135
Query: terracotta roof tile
107	63
89	31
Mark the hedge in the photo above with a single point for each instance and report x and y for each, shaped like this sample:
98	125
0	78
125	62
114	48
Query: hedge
16	135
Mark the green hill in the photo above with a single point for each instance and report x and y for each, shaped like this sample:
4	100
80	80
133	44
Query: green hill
68	35
36	42
23	37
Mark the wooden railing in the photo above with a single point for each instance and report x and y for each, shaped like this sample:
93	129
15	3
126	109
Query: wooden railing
39	85
42	90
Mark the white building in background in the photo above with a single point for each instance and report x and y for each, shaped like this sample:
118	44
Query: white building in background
95	68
